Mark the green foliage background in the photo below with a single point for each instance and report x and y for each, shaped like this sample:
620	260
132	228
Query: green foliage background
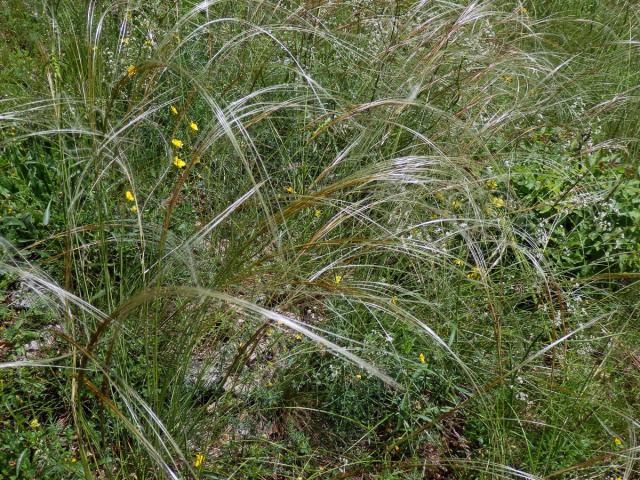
404	242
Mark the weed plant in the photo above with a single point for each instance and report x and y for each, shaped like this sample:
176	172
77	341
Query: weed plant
320	239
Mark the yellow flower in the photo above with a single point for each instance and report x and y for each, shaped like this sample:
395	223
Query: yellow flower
459	262
73	460
317	213
617	441
173	109
358	377
455	205
178	162
474	274
298	336
507	78
34	423
523	11
125	40
193	126
491	184
289	189
422	359
338	279
177	143
196	160
497	202
134	209
394	300
199	460
131	70
129	196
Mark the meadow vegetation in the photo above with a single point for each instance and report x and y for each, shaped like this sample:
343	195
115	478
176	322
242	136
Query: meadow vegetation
290	239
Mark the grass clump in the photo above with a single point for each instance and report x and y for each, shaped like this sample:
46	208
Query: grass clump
319	240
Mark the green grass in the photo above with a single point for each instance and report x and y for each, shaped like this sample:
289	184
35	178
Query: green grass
319	240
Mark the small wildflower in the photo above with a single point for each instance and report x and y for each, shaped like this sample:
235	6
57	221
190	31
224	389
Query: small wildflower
394	300
173	109
199	460
497	202
73	459
298	336
289	189
358	377
193	126
134	209
474	274
125	41
34	423
523	10
177	143
422	358
459	262
617	441
317	213
129	196
337	279
131	70
455	205
196	159
507	78
491	184
178	162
